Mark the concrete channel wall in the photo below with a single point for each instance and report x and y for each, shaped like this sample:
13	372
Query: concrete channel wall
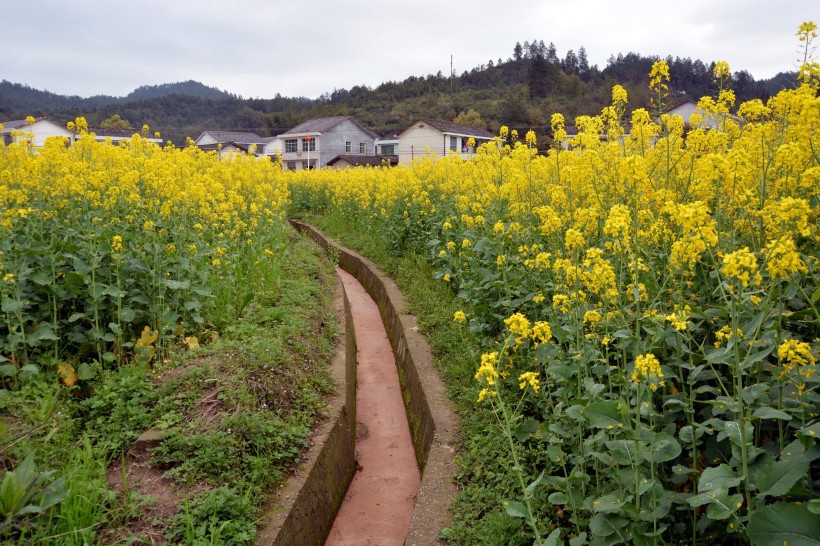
430	412
303	512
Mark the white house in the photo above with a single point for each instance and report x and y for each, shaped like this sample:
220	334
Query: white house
117	135
313	143
388	144
35	133
229	150
223	137
439	137
274	146
688	107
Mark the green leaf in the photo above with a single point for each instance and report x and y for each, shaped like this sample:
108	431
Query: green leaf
732	430
664	448
75	317
701	498
771	413
625	452
812	430
607	503
575	412
531	487
603	414
44	332
777	478
607	524
686	433
724	506
525	429
784	523
552	540
814	506
580	540
719	355
85	372
42	278
515	509
558	498
718	478
756	357
11	306
177	285
127	315
113	291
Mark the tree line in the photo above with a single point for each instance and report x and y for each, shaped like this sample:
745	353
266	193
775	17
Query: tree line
522	91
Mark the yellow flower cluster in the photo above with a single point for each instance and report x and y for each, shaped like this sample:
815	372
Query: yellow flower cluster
648	368
518	325
794	353
741	265
529	379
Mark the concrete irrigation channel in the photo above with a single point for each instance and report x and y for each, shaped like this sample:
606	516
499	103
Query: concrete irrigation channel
383	460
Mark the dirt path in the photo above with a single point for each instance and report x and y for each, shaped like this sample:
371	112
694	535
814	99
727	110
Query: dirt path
379	503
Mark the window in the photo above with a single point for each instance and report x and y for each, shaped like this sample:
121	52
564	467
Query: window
290	145
309	144
348	147
362	148
291	165
388	149
454	143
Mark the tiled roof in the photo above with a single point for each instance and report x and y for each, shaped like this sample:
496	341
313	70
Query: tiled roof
455	128
365	160
234	136
679	104
323	125
17	123
215	147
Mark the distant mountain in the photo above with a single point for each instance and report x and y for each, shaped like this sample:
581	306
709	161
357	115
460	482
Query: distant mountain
188	88
17	99
521	92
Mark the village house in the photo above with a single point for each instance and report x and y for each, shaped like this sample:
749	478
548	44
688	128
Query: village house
388	144
430	136
35	133
314	143
118	135
686	108
223	137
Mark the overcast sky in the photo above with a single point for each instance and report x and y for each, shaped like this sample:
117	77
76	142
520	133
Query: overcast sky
305	48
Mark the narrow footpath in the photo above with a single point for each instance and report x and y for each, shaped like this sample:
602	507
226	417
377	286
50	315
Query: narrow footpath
378	506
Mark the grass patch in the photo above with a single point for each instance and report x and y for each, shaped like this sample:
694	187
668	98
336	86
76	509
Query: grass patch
236	409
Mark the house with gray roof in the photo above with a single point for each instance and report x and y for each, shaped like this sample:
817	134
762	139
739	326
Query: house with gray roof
439	138
36	133
313	143
102	134
219	136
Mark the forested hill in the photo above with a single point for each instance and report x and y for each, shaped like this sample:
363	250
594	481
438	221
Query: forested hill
522	91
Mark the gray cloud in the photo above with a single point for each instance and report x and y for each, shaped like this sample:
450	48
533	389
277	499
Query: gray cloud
258	48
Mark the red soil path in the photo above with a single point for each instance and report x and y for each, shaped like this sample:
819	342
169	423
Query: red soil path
379	503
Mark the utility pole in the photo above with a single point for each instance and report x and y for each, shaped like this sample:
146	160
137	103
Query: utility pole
451	73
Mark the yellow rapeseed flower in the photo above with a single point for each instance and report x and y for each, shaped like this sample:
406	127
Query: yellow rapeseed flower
648	368
794	353
741	265
531	379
